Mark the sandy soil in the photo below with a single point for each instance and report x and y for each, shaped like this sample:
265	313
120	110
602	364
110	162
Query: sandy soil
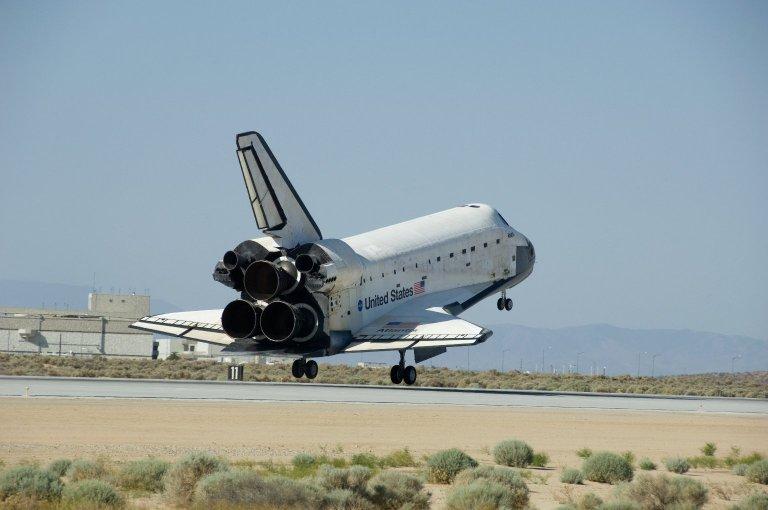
43	429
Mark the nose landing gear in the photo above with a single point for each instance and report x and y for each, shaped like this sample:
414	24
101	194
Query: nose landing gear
504	303
302	367
401	373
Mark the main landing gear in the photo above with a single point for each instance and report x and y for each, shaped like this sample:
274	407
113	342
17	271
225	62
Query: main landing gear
504	303
302	367
401	373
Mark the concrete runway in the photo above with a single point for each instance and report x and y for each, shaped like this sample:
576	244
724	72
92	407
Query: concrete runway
16	386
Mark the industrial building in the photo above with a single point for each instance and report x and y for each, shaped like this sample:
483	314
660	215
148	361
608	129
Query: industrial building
102	329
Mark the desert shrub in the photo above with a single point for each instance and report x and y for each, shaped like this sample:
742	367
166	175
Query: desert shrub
755	501
59	467
145	475
368	460
443	466
607	467
571	475
629	456
647	464
352	478
619	505
758	472
512	453
480	494
740	469
516	492
341	499
662	492
703	461
303	460
392	490
589	501
248	489
584	452
708	450
82	469
677	465
29	482
539	459
181	478
735	457
92	494
399	458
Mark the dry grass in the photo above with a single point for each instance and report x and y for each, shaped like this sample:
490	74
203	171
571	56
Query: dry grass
753	384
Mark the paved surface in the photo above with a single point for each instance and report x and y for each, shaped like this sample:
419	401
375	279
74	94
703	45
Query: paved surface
296	392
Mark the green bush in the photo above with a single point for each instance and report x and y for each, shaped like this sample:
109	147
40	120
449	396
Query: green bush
82	469
607	467
516	491
758	472
91	494
709	449
740	469
619	505
443	466
144	475
181	478
539	459
755	501
572	475
368	460
29	482
589	501
703	461
735	457
392	490
661	492
248	489
352	478
59	467
399	458
303	460
480	494
584	453
677	465
513	453
647	464
629	456
341	499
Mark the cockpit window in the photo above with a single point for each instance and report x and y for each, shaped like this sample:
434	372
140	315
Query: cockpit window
502	218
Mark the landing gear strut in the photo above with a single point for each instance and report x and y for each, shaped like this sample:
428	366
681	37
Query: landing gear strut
504	303
302	367
401	373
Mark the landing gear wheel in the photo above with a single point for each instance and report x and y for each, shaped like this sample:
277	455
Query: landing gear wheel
396	374
410	375
508	304
298	367
310	369
500	303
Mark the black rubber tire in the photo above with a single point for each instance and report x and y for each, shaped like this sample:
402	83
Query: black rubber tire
396	374
409	375
297	369
500	304
311	369
508	304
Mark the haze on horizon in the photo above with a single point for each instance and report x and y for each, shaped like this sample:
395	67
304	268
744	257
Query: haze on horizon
628	141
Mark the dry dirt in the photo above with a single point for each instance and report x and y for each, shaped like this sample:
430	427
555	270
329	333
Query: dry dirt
44	429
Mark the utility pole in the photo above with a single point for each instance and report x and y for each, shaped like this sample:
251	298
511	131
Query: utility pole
653	363
577	360
639	354
503	353
542	357
733	359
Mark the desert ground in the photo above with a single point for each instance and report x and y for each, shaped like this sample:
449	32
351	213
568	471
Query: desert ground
44	429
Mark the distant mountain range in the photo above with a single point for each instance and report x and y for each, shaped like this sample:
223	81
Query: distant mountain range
600	345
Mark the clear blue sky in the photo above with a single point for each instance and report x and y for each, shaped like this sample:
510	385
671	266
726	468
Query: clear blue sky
628	140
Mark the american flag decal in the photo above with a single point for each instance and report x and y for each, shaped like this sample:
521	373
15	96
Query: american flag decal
419	288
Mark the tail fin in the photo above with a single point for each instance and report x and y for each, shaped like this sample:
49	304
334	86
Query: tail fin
277	208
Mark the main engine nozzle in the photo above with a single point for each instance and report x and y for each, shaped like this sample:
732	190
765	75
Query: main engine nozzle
240	319
281	321
265	280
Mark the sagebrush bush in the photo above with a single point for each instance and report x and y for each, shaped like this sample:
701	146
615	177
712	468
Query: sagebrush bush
516	491
589	501
584	452
607	467
391	490
539	459
704	461
619	505
647	464
29	482
368	460
661	492
443	466
740	469
572	475
479	495
353	478
91	494
303	460
399	458
145	475
755	501
513	453
59	467
181	478
758	472
708	449
83	469
248	489
342	499
677	465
